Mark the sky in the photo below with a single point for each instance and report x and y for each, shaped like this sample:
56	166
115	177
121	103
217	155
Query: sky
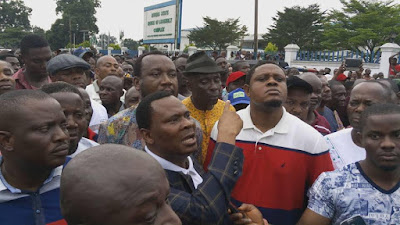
127	15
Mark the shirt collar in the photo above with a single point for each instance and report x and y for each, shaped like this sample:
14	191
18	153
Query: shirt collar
167	165
96	86
5	185
282	127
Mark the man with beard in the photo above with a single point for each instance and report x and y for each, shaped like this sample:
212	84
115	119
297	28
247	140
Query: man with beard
204	104
73	106
282	154
337	102
111	91
343	145
35	53
314	119
369	189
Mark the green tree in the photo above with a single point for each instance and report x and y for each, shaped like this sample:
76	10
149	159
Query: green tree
297	25
14	14
365	24
217	34
77	20
11	37
131	44
115	46
271	48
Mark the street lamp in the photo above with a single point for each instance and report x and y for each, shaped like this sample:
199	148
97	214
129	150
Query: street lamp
255	29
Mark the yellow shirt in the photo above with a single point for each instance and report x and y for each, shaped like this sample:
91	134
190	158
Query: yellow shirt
207	119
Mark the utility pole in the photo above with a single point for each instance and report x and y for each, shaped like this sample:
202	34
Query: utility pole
70	32
255	29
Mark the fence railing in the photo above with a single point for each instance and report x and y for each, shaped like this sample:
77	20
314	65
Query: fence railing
338	56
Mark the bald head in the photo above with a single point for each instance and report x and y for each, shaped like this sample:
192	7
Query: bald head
105	66
103	183
316	84
114	81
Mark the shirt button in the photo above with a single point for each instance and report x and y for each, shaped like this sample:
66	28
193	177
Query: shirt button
259	148
235	163
235	172
38	211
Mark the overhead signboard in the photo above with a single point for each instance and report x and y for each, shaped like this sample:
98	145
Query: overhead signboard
161	24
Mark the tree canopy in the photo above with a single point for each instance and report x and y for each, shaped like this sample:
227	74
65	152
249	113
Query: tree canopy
297	25
217	34
77	20
364	24
131	44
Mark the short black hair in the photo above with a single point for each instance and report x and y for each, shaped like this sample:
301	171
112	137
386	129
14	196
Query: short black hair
144	110
260	63
378	109
333	83
32	41
137	69
12	102
236	65
61	86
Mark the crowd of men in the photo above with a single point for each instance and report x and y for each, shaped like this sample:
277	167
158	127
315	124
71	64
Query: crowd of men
116	140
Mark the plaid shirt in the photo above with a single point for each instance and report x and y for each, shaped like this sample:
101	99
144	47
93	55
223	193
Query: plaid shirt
208	204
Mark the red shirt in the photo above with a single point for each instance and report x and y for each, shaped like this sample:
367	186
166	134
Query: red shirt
396	67
21	82
321	124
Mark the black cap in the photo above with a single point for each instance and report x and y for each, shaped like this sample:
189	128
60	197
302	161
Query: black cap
296	82
64	62
200	63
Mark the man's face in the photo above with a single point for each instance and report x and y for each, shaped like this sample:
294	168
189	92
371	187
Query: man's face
14	63
362	96
244	67
206	88
339	95
107	66
239	83
132	98
88	105
298	103
127	68
267	86
381	140
326	91
6	82
36	60
221	62
92	63
74	111
180	64
393	61
41	139
367	72
158	74
172	130
75	76
316	95
110	92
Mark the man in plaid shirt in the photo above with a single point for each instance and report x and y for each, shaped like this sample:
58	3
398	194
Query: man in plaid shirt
197	197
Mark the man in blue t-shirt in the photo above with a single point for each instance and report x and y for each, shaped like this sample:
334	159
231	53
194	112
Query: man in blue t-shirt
34	144
369	189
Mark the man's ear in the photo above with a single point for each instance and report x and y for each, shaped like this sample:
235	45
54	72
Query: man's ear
136	83
6	141
358	139
146	134
246	89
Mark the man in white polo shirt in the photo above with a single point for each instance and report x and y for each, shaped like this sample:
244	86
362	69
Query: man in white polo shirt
283	155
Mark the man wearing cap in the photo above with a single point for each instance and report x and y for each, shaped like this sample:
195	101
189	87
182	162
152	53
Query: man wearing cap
298	98
71	69
238	99
204	82
235	80
83	54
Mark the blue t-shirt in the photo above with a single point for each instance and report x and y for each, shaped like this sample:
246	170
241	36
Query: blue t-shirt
344	193
330	117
